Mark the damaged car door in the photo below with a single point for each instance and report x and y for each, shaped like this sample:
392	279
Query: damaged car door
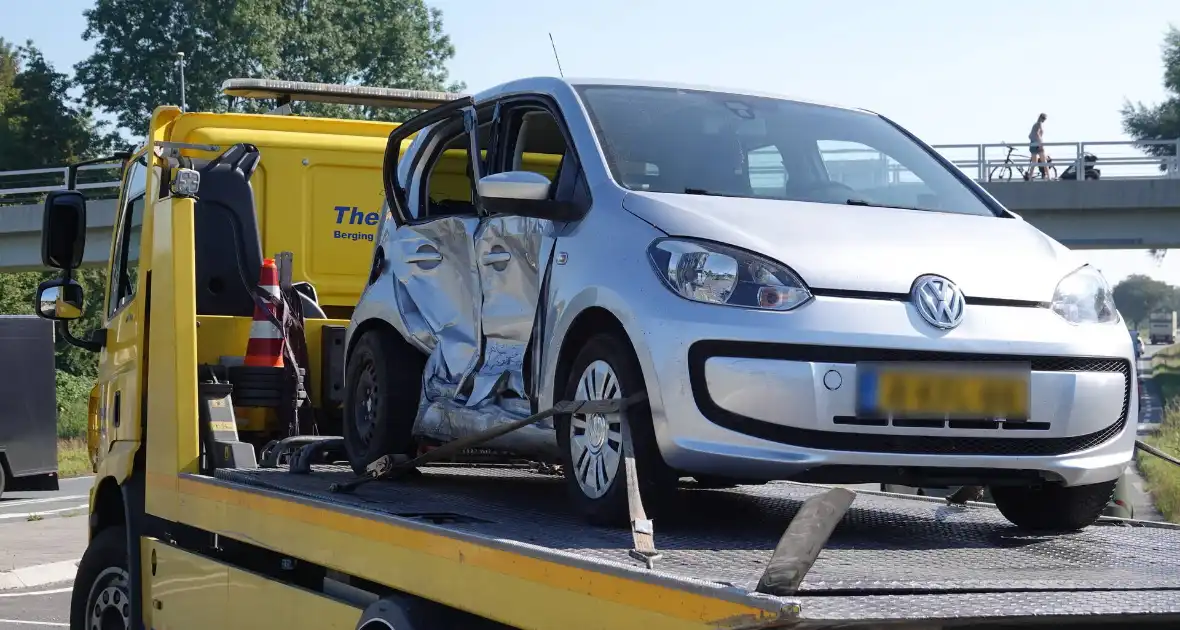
526	197
432	256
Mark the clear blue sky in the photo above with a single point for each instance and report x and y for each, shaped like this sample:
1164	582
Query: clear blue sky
951	71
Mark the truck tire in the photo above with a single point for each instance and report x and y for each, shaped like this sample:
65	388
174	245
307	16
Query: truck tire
383	383
2	478
591	452
1052	507
102	592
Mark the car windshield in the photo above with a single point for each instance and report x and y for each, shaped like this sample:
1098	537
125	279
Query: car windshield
714	143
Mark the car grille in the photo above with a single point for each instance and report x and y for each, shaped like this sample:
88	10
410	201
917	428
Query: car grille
903	444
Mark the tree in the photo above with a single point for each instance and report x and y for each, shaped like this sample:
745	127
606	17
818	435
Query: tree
1161	121
40	124
16	298
1136	296
393	43
9	63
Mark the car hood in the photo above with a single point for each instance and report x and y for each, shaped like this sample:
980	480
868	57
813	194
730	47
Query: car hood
880	250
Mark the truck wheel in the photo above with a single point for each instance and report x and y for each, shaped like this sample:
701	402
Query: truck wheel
382	386
1053	507
591	445
102	587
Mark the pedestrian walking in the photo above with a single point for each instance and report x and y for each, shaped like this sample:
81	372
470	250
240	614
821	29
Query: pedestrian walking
1036	147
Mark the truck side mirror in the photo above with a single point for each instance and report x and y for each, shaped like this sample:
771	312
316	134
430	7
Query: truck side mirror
60	300
63	230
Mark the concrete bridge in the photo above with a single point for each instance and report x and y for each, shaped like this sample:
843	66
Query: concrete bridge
1134	205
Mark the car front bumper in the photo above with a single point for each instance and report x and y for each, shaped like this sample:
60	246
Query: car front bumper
764	395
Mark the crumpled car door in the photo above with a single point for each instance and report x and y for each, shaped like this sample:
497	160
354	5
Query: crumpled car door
433	261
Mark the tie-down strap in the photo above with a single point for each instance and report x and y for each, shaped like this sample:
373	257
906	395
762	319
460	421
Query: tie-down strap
642	530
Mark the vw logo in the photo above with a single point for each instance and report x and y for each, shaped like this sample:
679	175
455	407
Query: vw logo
939	301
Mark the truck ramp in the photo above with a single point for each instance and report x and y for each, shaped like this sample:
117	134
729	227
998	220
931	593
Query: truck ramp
892	557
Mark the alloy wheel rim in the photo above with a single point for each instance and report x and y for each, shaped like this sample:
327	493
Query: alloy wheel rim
596	440
108	605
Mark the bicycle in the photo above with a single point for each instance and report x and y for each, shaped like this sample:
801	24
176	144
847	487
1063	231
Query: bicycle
1003	172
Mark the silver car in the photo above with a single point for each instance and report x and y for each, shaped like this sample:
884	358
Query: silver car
803	291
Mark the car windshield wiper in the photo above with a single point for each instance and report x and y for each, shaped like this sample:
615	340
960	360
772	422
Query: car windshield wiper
869	204
707	193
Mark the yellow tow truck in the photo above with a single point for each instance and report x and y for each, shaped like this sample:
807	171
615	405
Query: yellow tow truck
201	515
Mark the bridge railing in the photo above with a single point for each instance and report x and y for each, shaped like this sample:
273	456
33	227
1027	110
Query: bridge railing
1117	159
100	181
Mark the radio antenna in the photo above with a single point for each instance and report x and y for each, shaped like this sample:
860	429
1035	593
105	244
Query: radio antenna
558	59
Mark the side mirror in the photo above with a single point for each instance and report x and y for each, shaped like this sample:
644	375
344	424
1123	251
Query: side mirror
60	300
63	229
525	194
519	185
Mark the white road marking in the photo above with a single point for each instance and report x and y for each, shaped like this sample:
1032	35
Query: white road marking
52	591
8	504
26	515
36	623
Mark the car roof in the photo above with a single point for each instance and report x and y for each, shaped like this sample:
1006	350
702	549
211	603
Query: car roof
552	84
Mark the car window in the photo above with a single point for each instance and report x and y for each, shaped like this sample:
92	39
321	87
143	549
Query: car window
125	264
701	142
539	145
768	176
448	179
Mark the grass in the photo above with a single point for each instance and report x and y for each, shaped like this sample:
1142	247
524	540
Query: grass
72	458
1164	477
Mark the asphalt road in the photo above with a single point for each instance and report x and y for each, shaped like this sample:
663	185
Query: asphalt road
72	495
38	528
35	608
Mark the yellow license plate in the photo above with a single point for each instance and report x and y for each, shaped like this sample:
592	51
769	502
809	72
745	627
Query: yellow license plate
943	391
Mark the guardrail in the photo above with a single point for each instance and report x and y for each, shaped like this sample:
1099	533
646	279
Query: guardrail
30	185
1166	360
1118	159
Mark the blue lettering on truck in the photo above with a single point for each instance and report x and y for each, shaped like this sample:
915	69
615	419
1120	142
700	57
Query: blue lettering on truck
354	217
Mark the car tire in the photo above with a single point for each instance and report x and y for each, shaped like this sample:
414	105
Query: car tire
102	585
383	384
592	445
1052	507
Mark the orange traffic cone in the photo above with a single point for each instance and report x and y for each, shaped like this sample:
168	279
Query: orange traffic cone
265	347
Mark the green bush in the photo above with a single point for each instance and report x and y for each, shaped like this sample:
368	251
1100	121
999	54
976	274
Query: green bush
73	405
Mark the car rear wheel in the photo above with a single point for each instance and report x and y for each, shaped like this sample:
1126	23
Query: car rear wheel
591	444
1053	507
382	388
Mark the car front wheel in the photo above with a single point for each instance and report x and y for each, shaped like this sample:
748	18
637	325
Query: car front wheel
101	598
591	444
1053	507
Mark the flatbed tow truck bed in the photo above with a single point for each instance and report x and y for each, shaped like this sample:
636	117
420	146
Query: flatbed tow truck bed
893	559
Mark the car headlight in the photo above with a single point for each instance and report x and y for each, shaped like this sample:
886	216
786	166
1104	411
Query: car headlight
1084	297
713	273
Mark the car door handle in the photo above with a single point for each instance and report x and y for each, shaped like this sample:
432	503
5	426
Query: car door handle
424	255
495	258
